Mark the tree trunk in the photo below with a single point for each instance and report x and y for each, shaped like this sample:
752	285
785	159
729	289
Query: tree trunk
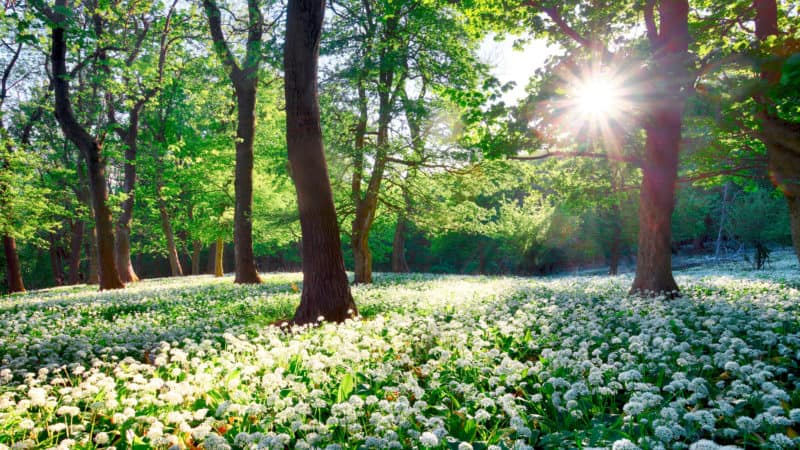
172	250
722	218
90	148
219	252
654	258
94	270
662	147
56	262
13	270
75	244
399	263
794	218
781	137
326	292
123	242
245	264
197	247
212	259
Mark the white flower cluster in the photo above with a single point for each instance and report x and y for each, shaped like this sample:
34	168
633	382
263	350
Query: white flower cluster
437	362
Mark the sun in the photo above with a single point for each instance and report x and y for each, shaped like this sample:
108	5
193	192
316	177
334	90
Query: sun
597	97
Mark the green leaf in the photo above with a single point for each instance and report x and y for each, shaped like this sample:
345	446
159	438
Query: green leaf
346	386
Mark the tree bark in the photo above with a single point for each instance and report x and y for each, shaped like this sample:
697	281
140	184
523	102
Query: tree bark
56	262
399	263
197	247
13	270
94	271
245	264
219	252
781	137
172	250
326	292
89	147
212	259
245	83
123	242
794	220
75	244
663	144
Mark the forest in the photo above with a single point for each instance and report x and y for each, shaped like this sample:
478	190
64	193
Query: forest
457	224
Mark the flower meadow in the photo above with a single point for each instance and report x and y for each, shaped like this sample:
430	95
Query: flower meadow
432	362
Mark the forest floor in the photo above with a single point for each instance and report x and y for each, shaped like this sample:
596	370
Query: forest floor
434	362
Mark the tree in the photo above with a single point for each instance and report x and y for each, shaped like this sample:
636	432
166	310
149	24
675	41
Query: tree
780	130
86	143
326	291
245	79
390	48
137	90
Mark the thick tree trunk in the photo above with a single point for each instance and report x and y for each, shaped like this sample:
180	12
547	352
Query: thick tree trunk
90	148
123	242
245	264
663	144
172	250
362	256
14	272
326	292
219	252
75	244
197	247
781	137
399	263
654	258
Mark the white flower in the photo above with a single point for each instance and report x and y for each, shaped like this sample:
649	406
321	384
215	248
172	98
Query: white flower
624	444
428	439
38	396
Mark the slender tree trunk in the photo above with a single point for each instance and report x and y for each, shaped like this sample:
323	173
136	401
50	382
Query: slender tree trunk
90	147
172	250
212	259
123	242
197	247
13	270
56	262
399	263
722	218
326	292
219	252
94	270
794	219
662	147
75	244
245	264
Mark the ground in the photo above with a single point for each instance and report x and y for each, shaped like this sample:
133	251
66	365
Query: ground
434	362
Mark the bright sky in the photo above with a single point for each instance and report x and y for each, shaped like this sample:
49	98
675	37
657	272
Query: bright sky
513	65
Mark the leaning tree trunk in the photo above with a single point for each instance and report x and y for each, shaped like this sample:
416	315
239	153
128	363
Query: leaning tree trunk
670	44
13	270
219	252
326	292
399	263
75	244
90	148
